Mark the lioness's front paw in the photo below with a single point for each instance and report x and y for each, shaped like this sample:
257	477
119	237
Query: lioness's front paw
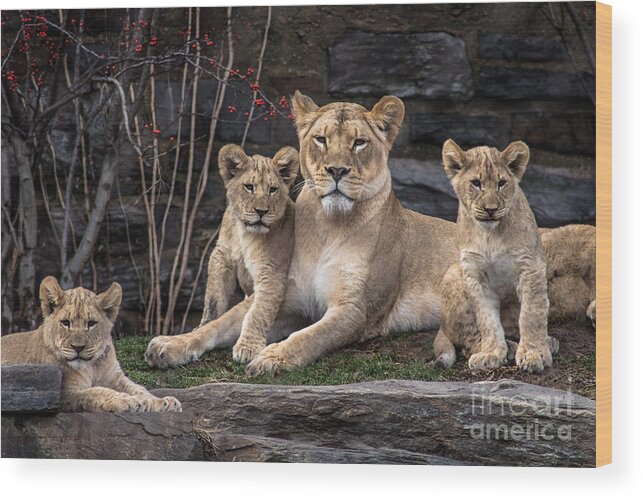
164	352
270	360
487	360
246	349
127	403
533	360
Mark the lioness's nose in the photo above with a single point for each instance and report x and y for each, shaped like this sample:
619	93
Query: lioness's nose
78	348
261	213
491	211
336	172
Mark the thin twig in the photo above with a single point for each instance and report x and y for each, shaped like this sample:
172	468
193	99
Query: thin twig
259	67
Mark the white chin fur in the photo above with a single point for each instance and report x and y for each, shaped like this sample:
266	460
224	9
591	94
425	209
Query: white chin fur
77	364
257	229
336	204
487	224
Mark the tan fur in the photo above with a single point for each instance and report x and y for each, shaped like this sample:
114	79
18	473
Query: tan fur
363	266
92	379
571	272
254	249
501	262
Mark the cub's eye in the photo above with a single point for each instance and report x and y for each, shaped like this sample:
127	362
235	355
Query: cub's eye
502	183
359	142
476	183
249	187
65	323
91	324
320	139
272	190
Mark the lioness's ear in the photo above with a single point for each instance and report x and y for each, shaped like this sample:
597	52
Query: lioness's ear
110	301
453	158
51	295
516	157
286	162
232	161
302	107
388	114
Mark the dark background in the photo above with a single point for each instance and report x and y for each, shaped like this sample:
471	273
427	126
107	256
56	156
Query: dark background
477	73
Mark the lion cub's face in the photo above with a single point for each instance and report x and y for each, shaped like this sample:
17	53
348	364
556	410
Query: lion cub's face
257	187
485	179
344	148
78	323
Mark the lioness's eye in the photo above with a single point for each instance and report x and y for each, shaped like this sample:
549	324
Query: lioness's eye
272	190
65	323
320	139
476	183
249	187
91	324
359	142
502	183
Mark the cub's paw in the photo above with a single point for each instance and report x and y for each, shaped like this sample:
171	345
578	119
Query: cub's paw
127	403
165	404
246	349
533	360
591	313
164	352
512	348
553	345
271	360
486	360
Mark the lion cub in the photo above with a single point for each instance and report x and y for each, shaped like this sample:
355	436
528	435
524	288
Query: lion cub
76	333
501	263
255	242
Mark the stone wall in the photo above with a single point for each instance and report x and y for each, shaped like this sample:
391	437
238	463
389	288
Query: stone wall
478	73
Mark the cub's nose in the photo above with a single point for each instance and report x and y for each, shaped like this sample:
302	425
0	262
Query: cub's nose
336	172
261	213
491	211
78	348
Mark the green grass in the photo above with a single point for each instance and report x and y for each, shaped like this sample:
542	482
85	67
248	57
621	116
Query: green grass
343	367
402	356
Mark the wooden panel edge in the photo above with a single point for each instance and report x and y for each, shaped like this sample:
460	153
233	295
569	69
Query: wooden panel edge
603	234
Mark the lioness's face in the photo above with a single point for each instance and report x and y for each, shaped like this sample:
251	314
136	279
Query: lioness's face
344	149
257	187
485	179
78	323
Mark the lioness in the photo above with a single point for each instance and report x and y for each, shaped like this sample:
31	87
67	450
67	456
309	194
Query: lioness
501	261
362	264
76	333
255	241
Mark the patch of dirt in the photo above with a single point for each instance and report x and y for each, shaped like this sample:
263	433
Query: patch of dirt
574	367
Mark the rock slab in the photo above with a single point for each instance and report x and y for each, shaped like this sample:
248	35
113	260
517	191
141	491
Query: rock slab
31	387
137	436
502	423
506	423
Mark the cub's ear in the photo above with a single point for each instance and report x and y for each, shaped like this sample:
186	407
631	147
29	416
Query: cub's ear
110	301
516	157
232	161
51	295
286	162
302	106
388	114
453	158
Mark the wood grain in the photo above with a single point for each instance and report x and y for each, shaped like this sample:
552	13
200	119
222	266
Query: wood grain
603	234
